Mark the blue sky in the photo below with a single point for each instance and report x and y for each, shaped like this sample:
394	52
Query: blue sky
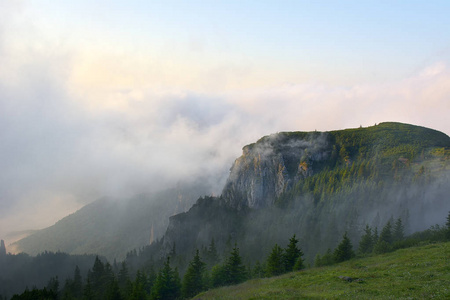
101	98
337	42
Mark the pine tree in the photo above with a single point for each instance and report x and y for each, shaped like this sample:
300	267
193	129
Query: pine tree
194	278
344	250
325	260
299	265
123	277
292	254
88	293
53	285
384	243
399	231
367	241
386	233
275	263
96	279
218	276
113	291
318	260
375	235
212	257
77	284
167	285
151	279
235	270
138	287
258	270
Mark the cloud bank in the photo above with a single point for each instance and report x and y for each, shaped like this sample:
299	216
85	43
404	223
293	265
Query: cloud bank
67	140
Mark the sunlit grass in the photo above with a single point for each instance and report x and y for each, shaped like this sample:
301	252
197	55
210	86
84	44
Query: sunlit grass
413	273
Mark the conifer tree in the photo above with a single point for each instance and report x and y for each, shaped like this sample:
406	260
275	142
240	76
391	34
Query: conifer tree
292	254
218	275
88	293
384	243
367	241
77	284
235	270
212	257
275	263
194	278
167	285
113	291
318	260
344	250
299	265
123	276
325	260
399	231
53	285
96	279
258	270
138	287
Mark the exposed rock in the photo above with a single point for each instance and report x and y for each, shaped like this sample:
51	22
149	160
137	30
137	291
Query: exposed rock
350	279
271	166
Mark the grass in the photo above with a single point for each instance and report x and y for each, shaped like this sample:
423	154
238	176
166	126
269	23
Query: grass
413	273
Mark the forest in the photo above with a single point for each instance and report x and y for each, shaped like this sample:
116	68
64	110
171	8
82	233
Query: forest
206	269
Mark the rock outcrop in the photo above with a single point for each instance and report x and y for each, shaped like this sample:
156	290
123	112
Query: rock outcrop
269	167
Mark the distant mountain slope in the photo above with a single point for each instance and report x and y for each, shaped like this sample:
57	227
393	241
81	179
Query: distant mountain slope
113	227
319	185
413	273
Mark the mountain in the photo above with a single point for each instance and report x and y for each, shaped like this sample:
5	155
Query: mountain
319	185
314	184
113	227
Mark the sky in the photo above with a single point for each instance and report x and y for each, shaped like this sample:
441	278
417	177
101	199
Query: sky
115	98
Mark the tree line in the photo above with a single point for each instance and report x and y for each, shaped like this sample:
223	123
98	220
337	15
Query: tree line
205	270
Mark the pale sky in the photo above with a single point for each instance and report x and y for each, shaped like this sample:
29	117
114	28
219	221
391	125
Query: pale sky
112	98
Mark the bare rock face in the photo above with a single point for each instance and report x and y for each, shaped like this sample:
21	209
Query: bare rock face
271	166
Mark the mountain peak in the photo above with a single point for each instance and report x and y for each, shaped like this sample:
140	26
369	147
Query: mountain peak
271	166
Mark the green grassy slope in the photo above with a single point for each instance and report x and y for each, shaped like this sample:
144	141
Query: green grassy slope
413	273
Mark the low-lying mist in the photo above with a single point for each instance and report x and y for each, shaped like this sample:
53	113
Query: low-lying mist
65	144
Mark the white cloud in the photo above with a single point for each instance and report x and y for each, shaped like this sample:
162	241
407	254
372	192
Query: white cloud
67	141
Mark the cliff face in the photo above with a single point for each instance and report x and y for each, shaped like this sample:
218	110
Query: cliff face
323	184
269	167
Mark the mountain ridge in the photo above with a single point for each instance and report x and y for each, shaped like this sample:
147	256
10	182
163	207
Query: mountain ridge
319	185
286	183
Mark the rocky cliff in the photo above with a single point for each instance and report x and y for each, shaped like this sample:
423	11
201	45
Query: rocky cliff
270	166
319	185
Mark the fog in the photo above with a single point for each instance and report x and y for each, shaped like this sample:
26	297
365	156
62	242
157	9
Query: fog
65	144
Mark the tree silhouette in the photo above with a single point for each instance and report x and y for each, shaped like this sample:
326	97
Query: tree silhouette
292	254
275	262
344	250
194	279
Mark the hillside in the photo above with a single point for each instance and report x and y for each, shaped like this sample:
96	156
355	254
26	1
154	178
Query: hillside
413	273
112	227
319	185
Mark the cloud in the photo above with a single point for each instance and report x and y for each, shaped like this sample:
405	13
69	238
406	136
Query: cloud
67	141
